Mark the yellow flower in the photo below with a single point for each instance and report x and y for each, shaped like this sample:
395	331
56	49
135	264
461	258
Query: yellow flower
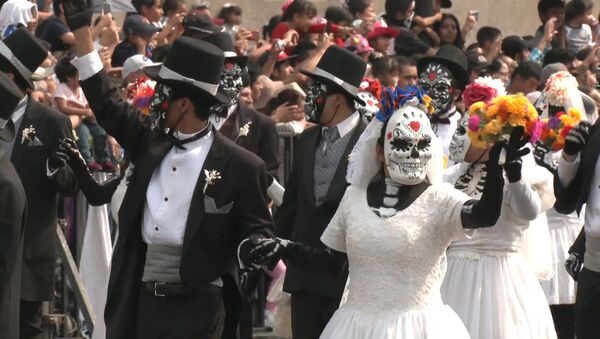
476	139
575	113
478	106
567	120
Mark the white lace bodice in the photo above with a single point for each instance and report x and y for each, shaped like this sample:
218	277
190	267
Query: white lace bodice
396	264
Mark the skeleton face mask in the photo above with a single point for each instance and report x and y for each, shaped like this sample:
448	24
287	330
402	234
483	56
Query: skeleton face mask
370	108
460	141
231	83
159	106
316	94
407	146
436	81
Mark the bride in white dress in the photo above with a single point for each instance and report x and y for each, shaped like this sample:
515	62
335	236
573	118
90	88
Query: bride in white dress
395	230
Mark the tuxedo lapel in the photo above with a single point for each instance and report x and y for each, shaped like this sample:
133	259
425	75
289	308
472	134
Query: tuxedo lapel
29	118
215	161
338	184
309	163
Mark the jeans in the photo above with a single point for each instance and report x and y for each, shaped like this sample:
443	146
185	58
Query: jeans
84	131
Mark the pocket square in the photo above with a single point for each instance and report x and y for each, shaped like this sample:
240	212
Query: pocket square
210	206
36	142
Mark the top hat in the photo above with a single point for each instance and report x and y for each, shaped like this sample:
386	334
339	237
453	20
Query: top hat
342	69
10	96
454	59
182	70
23	53
224	42
200	22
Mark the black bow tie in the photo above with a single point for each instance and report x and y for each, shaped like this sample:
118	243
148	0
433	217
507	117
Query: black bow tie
436	119
179	143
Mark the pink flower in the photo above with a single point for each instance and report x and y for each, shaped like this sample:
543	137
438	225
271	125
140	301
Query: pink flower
474	122
476	92
536	131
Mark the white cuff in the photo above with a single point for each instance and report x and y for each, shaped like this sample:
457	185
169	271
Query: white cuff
242	266
567	170
50	173
88	65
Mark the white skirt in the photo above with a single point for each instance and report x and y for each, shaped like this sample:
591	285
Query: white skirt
431	322
561	288
497	297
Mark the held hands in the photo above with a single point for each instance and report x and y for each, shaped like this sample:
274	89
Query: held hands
573	265
577	138
78	13
258	254
540	154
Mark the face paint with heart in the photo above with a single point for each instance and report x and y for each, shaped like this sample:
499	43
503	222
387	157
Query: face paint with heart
407	145
370	108
437	81
460	141
316	94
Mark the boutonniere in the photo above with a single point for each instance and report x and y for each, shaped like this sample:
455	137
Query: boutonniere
211	177
244	130
29	137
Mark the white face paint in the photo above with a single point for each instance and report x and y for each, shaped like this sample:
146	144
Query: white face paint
460	141
370	108
407	146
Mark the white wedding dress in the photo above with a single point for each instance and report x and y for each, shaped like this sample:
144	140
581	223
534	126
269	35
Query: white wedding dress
396	267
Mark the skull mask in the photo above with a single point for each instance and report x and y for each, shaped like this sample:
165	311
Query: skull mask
316	94
370	108
159	106
407	145
231	83
437	82
460	141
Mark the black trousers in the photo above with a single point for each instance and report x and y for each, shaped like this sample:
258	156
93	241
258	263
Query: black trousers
30	321
196	316
311	313
587	306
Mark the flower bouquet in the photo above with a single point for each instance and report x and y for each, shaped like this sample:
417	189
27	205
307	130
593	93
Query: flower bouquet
483	89
141	94
555	129
489	123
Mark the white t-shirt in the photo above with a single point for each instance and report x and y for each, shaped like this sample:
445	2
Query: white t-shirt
64	92
578	38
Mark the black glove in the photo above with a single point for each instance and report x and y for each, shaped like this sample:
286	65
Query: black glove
75	159
78	13
540	153
58	159
573	265
514	152
577	138
256	253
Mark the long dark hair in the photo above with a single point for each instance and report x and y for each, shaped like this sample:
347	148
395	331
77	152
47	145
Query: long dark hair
459	41
288	96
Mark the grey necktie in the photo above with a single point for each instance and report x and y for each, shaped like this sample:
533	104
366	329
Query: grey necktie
330	136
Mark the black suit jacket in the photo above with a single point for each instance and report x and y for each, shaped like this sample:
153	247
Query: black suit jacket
299	219
262	138
39	252
210	240
12	220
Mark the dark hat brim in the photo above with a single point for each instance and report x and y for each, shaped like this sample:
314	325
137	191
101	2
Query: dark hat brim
18	75
328	82
242	60
153	73
461	75
446	3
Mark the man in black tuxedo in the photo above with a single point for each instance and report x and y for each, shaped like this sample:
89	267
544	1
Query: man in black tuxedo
318	182
12	218
38	132
578	183
196	202
256	133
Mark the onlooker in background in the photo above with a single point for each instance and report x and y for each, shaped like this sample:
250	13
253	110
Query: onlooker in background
514	47
362	9
132	68
563	56
407	72
449	32
578	32
359	45
525	79
153	12
339	16
499	69
489	39
381	38
549	9
232	18
385	69
70	100
15	14
55	30
399	13
138	35
149	9
171	8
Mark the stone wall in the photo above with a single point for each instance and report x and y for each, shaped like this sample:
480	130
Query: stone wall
511	16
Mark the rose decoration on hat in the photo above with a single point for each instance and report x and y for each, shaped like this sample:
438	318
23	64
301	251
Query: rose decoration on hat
141	94
483	89
489	123
556	128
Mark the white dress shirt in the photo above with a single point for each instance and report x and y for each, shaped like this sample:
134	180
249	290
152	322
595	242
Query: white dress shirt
347	125
445	132
566	173
219	121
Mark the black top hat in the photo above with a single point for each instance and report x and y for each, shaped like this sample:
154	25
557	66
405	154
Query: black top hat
342	69
194	66
23	53
453	58
224	42
200	22
10	96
